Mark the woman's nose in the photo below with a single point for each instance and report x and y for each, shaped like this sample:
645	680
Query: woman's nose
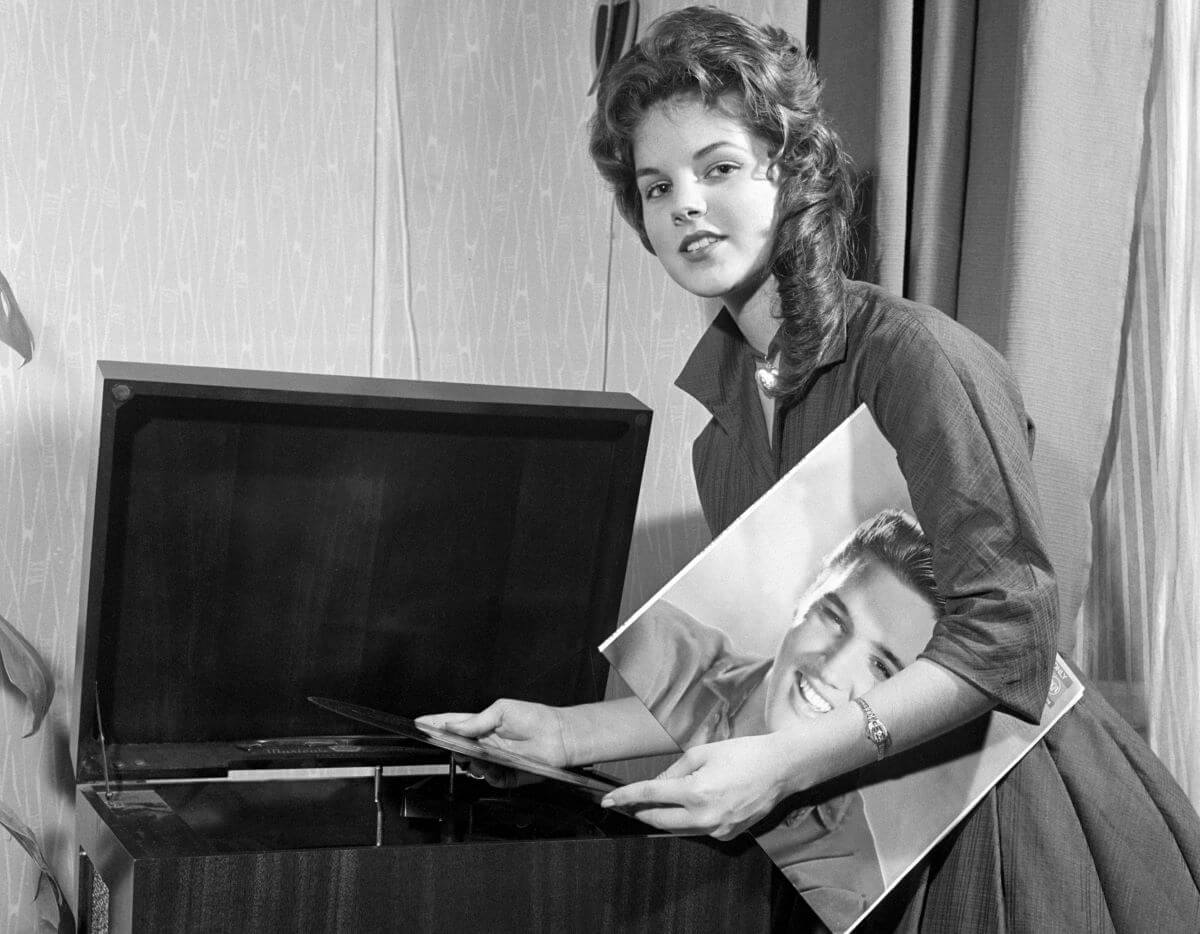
689	205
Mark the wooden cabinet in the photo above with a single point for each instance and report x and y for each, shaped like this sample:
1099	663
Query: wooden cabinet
258	538
157	874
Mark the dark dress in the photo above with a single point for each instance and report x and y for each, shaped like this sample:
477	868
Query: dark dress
1089	832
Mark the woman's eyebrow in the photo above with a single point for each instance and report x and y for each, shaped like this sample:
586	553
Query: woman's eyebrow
698	154
705	150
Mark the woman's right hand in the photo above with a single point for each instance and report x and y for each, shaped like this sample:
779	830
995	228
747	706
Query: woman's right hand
521	727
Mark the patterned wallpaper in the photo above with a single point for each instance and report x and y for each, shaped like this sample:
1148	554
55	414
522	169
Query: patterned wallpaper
188	182
507	220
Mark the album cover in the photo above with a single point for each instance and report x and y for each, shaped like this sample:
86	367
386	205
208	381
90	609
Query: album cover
811	596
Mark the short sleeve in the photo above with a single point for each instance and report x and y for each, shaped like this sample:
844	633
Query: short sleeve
665	657
950	407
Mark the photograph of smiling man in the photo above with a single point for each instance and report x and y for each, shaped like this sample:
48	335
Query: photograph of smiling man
817	594
869	613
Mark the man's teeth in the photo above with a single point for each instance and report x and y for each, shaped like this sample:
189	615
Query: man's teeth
812	698
700	244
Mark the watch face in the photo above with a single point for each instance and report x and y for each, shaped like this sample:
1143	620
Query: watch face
876	732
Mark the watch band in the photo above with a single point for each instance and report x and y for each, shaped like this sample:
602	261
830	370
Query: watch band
877	733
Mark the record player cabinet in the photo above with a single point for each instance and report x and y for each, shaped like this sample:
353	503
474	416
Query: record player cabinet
257	538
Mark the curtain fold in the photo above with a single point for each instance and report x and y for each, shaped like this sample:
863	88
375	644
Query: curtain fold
1173	636
939	177
1143	599
893	118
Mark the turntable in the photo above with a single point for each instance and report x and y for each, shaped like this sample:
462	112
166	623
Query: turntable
259	538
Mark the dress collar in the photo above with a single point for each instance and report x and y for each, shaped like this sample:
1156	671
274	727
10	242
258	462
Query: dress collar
712	373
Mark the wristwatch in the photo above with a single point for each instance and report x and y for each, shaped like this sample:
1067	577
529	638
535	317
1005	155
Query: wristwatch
876	731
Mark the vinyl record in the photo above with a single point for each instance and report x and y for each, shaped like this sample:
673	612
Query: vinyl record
594	783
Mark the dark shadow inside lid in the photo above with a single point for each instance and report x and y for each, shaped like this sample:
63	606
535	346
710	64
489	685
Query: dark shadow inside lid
258	553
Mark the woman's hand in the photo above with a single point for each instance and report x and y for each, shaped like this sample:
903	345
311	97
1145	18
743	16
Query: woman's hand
726	787
720	788
533	730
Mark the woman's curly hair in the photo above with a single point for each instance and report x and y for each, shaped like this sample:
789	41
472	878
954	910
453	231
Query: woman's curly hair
773	89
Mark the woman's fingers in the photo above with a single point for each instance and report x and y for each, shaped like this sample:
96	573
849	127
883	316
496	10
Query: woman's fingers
667	787
464	724
514	726
670	791
686	764
673	820
709	789
442	721
672	804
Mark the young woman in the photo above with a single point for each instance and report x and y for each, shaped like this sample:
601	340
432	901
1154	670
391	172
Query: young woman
712	136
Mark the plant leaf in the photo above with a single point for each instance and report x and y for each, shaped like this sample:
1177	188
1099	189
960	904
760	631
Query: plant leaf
66	917
27	672
14	330
25	837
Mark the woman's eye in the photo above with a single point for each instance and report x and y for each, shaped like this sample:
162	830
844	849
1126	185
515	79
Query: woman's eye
724	168
657	190
883	668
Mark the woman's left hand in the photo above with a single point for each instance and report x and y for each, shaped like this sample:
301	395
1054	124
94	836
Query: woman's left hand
719	788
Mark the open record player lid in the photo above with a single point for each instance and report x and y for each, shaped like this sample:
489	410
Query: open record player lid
257	538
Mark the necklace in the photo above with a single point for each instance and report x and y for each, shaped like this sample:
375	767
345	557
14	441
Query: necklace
766	372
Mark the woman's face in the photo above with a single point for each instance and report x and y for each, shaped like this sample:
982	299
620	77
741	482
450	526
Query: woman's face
708	198
858	625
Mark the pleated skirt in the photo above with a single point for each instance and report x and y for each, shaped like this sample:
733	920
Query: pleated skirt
1088	833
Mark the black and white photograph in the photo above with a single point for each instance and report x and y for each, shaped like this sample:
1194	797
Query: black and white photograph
368	366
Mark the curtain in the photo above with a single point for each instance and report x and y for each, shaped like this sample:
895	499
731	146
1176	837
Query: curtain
1173	635
1143	595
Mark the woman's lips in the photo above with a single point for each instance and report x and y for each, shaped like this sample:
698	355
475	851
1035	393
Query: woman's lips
698	244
